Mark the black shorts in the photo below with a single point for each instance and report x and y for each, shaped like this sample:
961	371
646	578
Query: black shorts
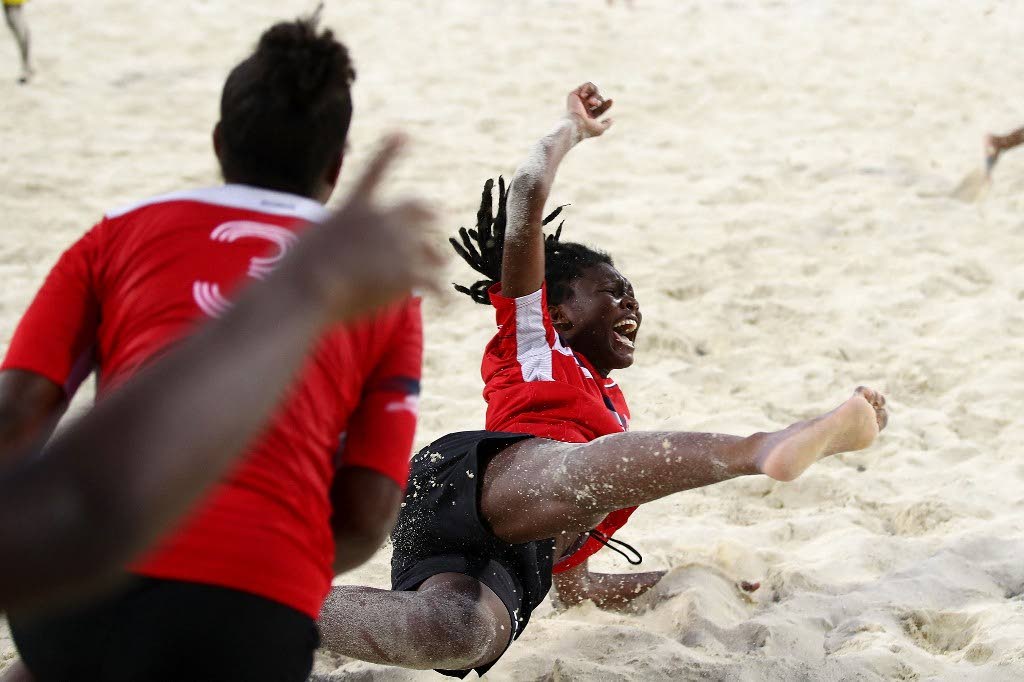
169	630
440	529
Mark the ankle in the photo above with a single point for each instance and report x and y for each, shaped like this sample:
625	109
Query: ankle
751	453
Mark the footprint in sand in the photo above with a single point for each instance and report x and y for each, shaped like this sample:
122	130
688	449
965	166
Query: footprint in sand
943	633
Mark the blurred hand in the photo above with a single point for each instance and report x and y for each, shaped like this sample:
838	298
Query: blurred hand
366	255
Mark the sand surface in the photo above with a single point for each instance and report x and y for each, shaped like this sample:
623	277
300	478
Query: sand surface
776	186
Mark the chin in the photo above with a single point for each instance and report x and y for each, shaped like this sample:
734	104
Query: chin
623	362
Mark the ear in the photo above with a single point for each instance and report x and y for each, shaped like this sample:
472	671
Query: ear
559	319
218	143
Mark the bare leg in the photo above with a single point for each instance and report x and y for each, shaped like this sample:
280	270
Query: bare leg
569	487
455	622
452	622
16	22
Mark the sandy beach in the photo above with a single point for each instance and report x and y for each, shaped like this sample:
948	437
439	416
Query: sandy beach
776	186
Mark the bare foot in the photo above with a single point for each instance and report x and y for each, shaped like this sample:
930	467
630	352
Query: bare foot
854	425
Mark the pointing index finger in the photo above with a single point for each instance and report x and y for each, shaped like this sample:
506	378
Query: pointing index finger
371	177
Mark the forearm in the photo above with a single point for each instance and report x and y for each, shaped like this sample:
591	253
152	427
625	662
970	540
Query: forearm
534	177
365	505
522	268
608	590
121	475
352	551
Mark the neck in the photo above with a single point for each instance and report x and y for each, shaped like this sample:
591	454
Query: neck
276	186
600	370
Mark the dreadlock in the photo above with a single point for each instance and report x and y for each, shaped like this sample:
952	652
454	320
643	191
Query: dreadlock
482	248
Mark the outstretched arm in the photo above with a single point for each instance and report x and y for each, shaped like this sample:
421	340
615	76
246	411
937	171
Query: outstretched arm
606	590
107	486
522	265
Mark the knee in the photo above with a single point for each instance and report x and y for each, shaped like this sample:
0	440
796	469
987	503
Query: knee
468	634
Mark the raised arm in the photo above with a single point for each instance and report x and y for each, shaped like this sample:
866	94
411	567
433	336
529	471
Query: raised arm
111	483
522	265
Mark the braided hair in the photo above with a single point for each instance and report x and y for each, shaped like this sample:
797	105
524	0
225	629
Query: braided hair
482	248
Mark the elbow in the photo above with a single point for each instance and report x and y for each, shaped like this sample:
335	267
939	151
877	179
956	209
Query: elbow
526	183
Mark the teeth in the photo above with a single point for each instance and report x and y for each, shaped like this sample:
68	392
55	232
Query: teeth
626	326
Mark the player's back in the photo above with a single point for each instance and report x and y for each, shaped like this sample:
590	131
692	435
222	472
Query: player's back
144	277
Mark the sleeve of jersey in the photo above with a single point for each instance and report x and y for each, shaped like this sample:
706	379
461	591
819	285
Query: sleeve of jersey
381	430
55	336
525	332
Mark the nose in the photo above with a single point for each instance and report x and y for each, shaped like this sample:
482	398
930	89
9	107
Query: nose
630	303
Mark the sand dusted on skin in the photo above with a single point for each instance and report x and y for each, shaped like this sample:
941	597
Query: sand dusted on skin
776	187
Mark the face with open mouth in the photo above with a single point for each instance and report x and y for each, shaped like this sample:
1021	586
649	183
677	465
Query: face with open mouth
600	318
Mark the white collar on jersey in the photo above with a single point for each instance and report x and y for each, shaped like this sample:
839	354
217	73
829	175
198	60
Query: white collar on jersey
246	197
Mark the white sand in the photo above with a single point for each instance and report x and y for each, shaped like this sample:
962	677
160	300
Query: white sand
774	186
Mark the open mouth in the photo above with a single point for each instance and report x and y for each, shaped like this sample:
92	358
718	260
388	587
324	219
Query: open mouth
625	332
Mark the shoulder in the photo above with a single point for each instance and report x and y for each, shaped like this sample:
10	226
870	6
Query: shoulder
537	299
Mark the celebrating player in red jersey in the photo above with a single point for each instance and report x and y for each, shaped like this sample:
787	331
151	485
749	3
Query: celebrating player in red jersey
489	515
234	592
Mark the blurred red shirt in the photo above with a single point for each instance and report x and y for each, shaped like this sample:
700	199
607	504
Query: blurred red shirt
141	279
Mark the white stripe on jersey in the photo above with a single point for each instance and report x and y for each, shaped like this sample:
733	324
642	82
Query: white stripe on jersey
245	197
532	349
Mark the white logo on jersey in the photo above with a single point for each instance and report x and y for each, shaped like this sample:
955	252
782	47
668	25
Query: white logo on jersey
207	295
411	403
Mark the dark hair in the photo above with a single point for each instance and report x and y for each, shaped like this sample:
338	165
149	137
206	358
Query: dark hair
285	111
482	249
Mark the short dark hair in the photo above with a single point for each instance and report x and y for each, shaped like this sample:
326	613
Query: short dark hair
482	248
285	111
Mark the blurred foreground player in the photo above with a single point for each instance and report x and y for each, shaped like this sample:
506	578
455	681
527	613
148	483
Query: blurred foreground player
104	488
234	592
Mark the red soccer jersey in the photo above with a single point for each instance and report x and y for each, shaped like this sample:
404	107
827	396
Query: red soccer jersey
534	384
141	279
